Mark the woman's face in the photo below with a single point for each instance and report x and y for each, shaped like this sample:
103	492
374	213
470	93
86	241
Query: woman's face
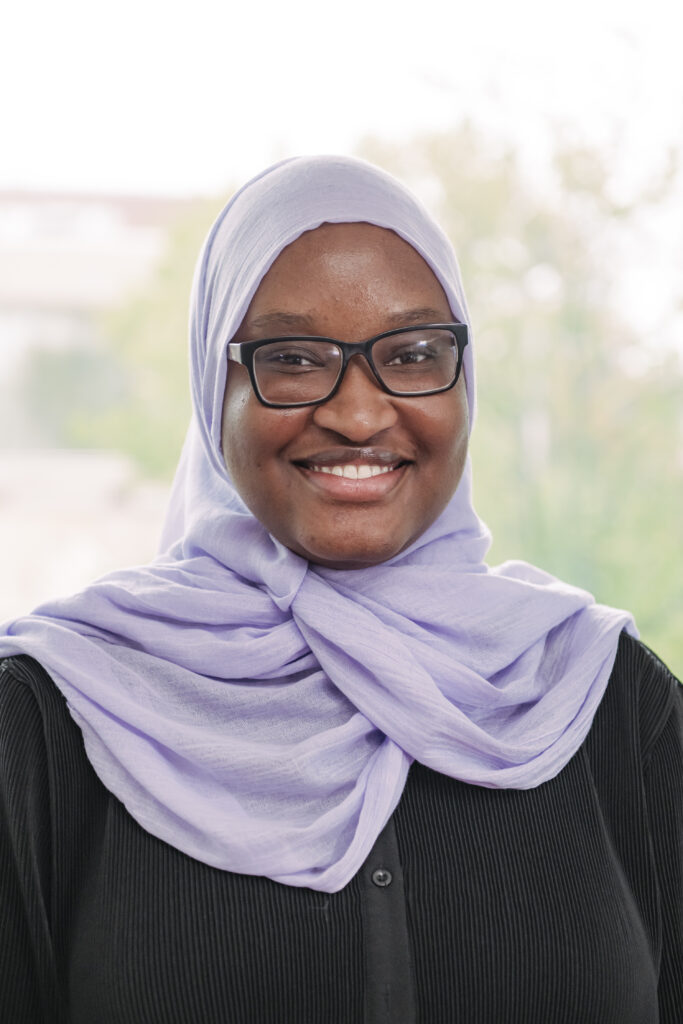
350	282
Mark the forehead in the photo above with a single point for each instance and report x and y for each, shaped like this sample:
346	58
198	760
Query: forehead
355	268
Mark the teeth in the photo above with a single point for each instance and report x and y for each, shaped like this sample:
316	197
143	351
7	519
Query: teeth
353	472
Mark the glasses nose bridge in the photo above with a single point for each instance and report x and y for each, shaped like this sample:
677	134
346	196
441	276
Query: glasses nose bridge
359	407
360	351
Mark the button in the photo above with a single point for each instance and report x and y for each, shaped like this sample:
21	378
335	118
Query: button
382	878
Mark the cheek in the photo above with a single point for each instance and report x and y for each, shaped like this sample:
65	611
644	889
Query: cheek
253	439
248	429
241	430
460	434
445	428
235	411
446	438
245	447
460	429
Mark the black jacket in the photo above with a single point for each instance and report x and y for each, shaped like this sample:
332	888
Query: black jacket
555	905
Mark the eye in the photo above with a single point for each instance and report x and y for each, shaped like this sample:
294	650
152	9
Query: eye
292	358
411	354
289	356
297	355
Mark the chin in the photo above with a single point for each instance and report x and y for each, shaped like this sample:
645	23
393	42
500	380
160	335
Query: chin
352	554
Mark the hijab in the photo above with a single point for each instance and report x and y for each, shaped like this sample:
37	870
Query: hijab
261	713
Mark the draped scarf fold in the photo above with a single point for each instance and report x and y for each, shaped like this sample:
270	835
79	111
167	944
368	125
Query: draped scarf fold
261	713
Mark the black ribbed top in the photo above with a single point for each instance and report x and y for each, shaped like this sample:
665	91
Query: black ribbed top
555	905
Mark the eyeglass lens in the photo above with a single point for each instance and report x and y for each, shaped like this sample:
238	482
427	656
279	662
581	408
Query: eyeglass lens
298	370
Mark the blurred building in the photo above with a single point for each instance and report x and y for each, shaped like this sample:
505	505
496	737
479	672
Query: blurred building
66	257
67	516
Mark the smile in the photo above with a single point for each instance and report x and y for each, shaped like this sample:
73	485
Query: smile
352	471
357	481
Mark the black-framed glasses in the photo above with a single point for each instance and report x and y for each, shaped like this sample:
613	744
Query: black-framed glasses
407	362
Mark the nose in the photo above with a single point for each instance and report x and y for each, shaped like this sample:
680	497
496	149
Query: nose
360	409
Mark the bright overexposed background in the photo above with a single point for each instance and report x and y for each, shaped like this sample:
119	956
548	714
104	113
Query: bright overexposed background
125	126
165	97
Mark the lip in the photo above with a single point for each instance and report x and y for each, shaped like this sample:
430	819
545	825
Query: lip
367	489
348	456
316	470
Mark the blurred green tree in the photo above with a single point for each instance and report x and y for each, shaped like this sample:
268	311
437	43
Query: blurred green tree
129	390
147	344
578	445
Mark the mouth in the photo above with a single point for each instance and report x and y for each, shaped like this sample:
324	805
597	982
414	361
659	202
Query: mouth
353	470
354	474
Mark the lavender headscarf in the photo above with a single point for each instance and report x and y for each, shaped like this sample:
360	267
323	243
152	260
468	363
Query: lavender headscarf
260	713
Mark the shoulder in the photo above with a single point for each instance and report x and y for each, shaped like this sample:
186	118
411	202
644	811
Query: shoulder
40	744
643	689
25	780
50	796
32	708
27	697
641	706
24	685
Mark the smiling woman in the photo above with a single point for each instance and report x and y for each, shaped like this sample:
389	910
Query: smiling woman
319	761
317	477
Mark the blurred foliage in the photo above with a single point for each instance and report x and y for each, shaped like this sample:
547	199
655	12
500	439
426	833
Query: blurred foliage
147	340
62	387
577	449
129	390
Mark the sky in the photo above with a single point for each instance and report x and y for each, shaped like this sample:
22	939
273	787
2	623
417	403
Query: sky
177	98
173	98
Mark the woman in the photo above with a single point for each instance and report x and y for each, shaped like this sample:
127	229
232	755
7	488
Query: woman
318	762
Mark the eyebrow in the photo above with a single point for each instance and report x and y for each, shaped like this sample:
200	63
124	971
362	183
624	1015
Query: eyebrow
281	321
